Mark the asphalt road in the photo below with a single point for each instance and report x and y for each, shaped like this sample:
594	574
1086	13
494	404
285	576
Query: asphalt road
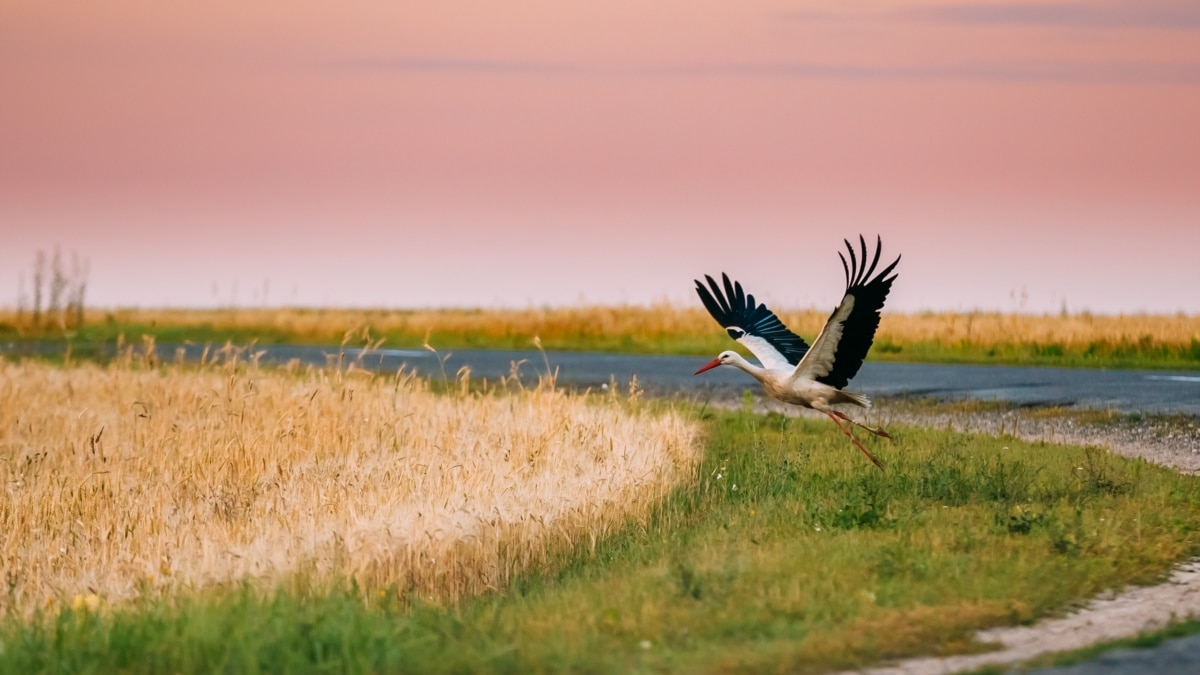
1129	391
1118	390
1180	656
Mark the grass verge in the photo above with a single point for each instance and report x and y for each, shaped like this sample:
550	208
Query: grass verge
787	552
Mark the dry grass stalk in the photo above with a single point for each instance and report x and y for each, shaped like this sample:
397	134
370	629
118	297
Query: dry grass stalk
138	478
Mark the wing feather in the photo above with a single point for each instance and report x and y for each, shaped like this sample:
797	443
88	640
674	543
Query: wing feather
752	324
838	352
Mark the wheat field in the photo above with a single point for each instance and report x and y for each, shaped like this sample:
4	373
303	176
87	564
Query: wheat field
659	323
137	478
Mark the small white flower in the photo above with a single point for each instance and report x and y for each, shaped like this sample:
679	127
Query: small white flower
735	486
817	528
644	644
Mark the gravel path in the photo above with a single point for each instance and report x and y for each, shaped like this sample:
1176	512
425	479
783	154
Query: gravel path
1170	441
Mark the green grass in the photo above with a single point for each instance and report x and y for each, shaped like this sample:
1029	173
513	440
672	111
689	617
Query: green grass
816	560
1097	354
1100	354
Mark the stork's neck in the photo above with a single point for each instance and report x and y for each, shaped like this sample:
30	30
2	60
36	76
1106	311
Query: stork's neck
757	372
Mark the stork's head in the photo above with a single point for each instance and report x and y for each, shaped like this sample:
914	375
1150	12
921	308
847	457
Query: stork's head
723	359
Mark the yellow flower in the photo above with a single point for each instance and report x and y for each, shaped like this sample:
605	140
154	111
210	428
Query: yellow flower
90	602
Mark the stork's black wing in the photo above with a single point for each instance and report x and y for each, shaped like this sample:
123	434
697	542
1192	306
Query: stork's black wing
839	350
752	324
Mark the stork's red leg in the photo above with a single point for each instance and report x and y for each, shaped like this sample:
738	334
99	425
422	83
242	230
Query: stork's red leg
875	430
834	416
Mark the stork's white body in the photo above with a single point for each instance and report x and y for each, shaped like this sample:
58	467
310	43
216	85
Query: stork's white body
784	385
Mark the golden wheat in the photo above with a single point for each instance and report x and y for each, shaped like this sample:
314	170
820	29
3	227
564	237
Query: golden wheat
138	477
665	321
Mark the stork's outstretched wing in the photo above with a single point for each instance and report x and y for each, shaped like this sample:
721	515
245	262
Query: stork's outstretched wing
839	350
752	324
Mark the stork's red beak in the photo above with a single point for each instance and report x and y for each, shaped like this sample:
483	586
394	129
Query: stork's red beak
708	366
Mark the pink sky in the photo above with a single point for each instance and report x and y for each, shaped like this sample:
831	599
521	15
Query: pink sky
403	154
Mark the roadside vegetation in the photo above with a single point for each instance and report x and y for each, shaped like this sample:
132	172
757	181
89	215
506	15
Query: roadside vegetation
237	519
1074	340
51	308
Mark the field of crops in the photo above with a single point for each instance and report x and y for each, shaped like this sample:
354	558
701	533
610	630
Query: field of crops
1084	340
136	479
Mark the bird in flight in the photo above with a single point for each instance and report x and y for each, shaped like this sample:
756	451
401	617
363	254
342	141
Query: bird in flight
792	371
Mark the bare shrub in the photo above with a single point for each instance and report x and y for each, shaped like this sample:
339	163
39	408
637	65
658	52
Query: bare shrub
58	295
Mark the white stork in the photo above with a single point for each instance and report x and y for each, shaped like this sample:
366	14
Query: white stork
791	371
